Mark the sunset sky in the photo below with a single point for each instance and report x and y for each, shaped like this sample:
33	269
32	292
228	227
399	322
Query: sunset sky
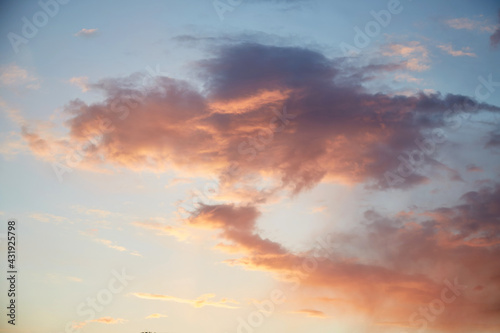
245	166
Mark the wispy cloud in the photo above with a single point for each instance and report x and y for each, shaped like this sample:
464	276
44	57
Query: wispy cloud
200	302
81	82
102	320
156	315
108	243
162	228
177	181
319	209
50	218
448	48
464	23
414	54
109	320
59	278
15	76
311	313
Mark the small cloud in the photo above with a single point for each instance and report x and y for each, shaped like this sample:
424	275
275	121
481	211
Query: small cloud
73	278
58	278
414	54
15	76
156	315
406	77
110	244
102	320
176	181
465	23
109	320
495	37
49	218
474	168
200	302
457	53
86	32
311	313
81	82
162	228
135	253
319	209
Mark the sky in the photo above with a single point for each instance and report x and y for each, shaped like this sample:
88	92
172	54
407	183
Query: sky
251	166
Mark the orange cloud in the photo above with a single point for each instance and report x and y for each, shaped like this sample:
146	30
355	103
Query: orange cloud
197	303
109	320
311	313
402	272
156	316
260	117
162	228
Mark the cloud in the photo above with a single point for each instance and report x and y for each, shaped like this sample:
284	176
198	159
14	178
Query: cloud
414	54
391	282
495	37
177	181
203	300
50	218
474	168
109	320
238	227
102	320
407	77
108	243
81	82
15	76
457	53
319	209
288	115
162	228
464	23
311	313
156	315
58	278
86	33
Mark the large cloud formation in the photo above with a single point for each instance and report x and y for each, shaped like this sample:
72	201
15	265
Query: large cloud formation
406	263
285	113
294	118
